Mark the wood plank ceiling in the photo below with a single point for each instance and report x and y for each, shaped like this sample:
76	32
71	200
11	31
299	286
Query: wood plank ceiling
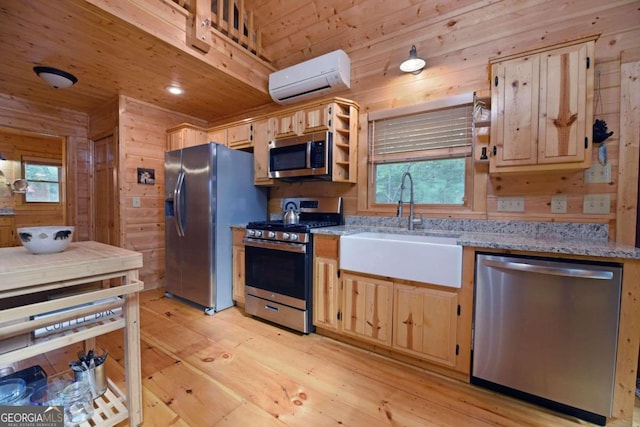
110	55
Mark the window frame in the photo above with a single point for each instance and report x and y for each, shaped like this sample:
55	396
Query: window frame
43	161
460	210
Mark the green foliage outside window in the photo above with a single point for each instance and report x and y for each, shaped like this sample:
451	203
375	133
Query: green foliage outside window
44	183
438	181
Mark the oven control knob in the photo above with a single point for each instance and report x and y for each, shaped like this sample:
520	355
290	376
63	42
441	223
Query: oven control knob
294	236
251	233
258	233
285	236
271	235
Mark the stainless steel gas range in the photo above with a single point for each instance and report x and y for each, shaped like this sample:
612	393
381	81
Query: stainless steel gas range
279	262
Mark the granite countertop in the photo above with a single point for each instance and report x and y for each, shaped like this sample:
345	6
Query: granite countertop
556	243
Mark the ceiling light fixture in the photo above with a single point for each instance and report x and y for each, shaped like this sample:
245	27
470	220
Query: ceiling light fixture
56	78
175	90
413	64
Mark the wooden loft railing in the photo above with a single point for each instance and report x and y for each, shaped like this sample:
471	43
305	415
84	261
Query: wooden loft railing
229	17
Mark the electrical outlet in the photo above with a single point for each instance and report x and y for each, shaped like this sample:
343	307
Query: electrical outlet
510	204
136	202
597	204
559	203
598	174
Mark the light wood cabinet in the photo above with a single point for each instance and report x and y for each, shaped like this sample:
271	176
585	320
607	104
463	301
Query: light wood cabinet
240	136
286	125
262	136
185	135
217	135
405	318
367	308
326	283
299	122
542	109
238	257
339	116
425	323
7	232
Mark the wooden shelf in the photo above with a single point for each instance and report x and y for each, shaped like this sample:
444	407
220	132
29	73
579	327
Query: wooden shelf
110	408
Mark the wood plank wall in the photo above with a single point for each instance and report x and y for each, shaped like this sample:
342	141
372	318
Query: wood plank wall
457	49
142	132
17	116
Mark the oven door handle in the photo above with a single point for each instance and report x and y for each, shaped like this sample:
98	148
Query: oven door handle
299	248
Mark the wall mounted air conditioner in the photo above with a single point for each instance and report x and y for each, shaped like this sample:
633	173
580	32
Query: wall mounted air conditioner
320	75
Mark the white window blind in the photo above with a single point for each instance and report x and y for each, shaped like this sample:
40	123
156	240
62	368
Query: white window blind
421	134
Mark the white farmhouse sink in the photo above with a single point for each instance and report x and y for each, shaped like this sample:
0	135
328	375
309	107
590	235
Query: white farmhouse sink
430	259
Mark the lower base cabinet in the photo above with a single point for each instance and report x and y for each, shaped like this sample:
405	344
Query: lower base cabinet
7	238
425	323
238	258
367	309
326	283
408	318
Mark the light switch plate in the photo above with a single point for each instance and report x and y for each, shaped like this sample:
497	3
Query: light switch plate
510	204
136	202
598	174
597	204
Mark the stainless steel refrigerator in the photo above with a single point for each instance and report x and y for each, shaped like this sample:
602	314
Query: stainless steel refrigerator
207	189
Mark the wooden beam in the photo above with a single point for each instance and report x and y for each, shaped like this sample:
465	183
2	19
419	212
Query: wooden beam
199	31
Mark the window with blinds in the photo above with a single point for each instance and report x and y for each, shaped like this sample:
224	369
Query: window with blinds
432	144
446	130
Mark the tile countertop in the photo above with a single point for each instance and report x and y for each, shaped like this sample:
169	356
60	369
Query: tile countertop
521	242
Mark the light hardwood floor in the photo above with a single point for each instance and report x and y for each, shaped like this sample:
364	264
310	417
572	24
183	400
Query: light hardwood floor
232	370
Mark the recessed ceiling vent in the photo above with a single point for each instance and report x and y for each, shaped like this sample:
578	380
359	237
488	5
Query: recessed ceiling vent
321	75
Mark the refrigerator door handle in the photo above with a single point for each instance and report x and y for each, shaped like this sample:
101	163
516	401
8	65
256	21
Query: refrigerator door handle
177	197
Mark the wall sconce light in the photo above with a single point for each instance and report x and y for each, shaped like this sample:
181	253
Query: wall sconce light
56	78
413	64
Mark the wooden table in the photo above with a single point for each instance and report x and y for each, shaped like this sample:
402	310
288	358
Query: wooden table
22	273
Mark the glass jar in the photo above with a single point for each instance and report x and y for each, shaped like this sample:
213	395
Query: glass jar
78	403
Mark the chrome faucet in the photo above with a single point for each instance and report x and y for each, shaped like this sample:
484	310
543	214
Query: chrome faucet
412	220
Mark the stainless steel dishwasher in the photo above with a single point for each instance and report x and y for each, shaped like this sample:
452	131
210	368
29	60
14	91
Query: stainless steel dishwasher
546	331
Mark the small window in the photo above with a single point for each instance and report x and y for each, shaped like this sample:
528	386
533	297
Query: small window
432	144
44	181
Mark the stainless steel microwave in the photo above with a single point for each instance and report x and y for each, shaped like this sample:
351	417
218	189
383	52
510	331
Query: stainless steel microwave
298	158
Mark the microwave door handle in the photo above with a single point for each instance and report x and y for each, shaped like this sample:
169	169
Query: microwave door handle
309	155
177	197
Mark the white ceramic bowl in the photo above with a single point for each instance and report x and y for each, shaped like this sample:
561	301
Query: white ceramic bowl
46	240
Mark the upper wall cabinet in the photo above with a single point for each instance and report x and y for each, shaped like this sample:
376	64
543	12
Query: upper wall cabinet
542	109
240	135
339	116
185	135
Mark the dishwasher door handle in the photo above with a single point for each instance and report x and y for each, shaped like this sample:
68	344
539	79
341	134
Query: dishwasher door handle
555	271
